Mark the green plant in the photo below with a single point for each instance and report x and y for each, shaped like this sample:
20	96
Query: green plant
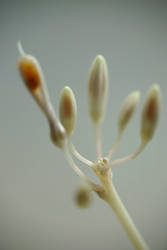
61	131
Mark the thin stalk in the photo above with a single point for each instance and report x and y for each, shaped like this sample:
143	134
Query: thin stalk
115	146
98	140
129	157
79	156
68	157
116	204
20	48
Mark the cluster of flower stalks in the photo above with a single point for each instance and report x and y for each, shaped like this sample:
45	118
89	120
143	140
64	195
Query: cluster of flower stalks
61	131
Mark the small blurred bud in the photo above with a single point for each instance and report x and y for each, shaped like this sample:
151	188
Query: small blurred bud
127	110
98	83
150	114
83	196
68	110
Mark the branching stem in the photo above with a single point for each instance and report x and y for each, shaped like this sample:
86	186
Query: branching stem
129	157
124	218
68	157
112	198
79	156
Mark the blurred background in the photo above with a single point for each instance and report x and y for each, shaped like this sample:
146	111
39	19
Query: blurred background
37	208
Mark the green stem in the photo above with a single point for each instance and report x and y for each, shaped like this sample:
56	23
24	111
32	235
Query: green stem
124	218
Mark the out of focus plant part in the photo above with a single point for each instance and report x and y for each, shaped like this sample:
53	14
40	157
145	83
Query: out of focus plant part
150	114
83	196
61	132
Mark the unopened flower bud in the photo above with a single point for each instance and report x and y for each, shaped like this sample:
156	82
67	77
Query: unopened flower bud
30	72
127	110
150	114
83	196
98	83
68	110
33	78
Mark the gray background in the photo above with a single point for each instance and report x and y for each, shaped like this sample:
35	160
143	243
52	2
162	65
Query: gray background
37	210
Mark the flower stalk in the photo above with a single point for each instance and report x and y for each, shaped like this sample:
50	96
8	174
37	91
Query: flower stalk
61	131
120	211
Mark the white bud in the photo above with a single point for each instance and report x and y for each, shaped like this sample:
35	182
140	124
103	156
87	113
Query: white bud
68	110
150	114
98	83
127	110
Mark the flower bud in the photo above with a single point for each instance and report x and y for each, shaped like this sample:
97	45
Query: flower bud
83	196
33	78
127	110
30	72
68	110
150	114
32	75
98	82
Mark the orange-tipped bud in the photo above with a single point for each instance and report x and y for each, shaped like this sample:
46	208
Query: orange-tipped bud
150	114
68	110
30	72
33	78
98	82
127	110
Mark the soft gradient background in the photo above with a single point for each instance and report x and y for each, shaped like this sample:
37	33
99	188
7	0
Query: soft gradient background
37	210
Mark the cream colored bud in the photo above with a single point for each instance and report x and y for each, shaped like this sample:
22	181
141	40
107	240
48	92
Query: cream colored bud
98	83
68	110
150	114
83	196
127	110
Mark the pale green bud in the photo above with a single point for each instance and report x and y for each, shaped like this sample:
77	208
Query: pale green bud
127	110
150	114
68	110
98	83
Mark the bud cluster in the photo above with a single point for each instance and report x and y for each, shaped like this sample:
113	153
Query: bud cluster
61	129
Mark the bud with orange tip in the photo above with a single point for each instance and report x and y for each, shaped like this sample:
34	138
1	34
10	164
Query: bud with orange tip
68	110
98	83
32	76
31	72
150	114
